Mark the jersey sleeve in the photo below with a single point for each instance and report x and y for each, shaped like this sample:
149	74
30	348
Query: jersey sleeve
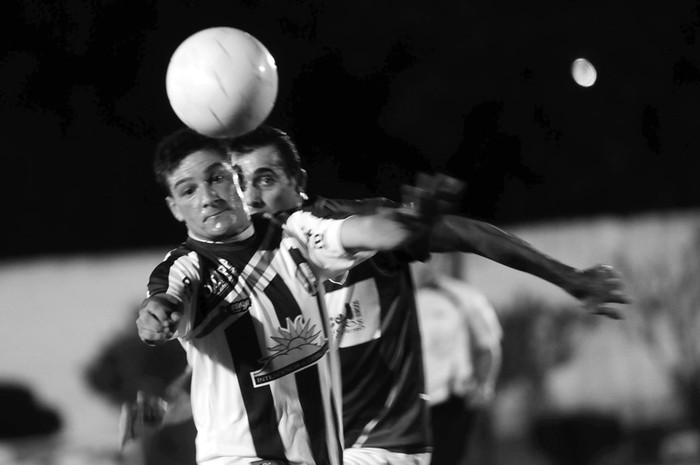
178	276
389	261
320	238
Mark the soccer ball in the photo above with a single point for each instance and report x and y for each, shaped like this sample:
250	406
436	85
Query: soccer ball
222	82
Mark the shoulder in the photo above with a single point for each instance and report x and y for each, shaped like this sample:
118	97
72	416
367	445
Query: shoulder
178	254
179	267
181	260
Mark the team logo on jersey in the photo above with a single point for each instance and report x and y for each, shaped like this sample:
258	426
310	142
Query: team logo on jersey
360	321
298	346
220	281
349	322
238	306
316	240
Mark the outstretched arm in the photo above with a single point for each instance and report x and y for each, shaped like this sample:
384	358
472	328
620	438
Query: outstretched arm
596	287
386	229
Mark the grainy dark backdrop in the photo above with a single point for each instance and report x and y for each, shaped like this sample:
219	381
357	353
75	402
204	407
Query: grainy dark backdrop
372	92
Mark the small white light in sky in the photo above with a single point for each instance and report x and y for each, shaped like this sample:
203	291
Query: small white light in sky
583	72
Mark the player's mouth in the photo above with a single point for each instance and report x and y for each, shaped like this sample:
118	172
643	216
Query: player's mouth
215	216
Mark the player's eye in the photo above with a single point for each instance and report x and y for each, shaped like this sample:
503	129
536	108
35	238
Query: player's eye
220	177
186	191
266	181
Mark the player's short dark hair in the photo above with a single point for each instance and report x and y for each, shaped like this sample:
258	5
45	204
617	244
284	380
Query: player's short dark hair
175	147
264	136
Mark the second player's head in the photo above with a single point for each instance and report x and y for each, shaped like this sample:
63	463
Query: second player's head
269	166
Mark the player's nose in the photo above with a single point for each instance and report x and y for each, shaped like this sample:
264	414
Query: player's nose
209	196
253	198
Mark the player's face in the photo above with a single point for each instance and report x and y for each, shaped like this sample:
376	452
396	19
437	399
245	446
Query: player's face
266	186
204	195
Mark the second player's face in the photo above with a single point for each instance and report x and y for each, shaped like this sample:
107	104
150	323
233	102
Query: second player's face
265	184
205	197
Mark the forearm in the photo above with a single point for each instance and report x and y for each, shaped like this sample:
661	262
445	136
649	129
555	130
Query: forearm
461	234
376	232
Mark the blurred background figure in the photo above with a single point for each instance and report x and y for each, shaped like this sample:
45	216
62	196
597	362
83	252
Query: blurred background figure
125	368
24	415
461	338
29	429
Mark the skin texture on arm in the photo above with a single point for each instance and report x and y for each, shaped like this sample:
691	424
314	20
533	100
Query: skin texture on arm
461	234
596	287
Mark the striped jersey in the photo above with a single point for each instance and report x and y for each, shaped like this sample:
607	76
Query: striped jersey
265	375
374	318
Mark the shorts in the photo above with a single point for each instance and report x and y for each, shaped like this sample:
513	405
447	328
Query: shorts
375	456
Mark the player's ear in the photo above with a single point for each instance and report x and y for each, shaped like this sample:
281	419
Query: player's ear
301	182
174	209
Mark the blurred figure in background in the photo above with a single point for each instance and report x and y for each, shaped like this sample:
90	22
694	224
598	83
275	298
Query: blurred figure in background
461	338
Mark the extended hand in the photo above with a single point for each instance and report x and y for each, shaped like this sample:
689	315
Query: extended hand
598	287
158	319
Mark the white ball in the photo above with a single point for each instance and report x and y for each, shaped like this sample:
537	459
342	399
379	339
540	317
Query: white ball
222	82
583	72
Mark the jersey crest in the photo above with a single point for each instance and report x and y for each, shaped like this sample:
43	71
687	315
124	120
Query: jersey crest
220	280
298	346
360	322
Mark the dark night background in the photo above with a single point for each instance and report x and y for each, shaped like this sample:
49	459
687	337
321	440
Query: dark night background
372	92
